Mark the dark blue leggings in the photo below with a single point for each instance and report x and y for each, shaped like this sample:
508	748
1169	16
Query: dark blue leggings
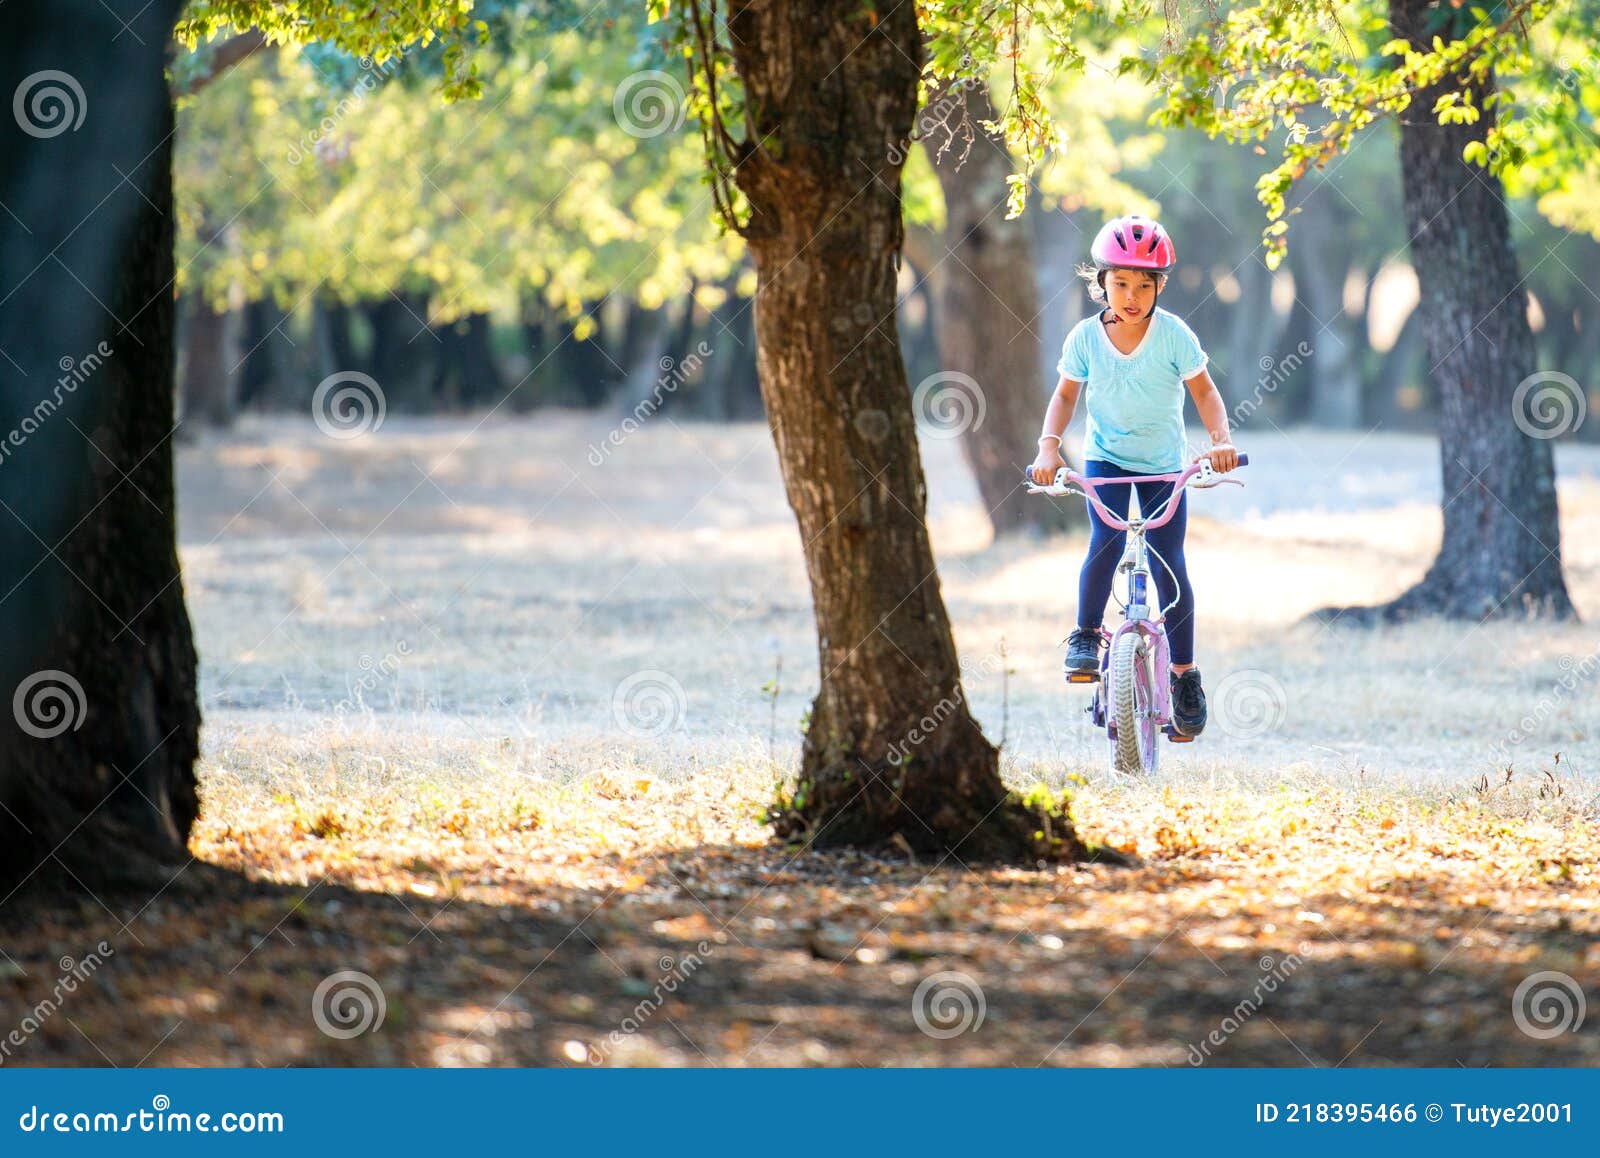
1105	551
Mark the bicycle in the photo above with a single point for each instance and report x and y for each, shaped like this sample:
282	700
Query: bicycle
1133	697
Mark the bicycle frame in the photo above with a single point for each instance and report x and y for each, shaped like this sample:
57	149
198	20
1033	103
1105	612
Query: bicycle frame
1138	615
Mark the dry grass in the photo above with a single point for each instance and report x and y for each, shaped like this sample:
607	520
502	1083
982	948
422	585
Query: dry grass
412	650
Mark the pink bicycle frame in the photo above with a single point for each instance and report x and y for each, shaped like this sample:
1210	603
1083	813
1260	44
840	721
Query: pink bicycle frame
1153	627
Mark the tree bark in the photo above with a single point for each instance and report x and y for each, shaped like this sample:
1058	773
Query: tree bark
98	664
891	754
987	313
1501	550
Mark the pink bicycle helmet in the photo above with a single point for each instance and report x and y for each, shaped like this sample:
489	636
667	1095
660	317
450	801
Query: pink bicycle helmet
1133	241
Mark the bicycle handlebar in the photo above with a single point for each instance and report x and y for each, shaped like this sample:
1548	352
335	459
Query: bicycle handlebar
1170	508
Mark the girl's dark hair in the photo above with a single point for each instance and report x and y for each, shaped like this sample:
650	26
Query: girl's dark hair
1094	280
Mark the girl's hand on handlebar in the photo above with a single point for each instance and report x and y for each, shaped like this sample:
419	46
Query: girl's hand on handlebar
1043	470
1224	457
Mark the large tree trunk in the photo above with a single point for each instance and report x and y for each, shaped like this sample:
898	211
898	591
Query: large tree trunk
1501	550
97	661
891	754
987	314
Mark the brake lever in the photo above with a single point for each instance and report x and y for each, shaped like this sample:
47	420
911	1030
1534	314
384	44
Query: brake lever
1209	477
1055	490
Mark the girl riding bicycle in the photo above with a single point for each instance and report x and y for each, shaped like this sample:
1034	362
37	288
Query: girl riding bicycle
1135	359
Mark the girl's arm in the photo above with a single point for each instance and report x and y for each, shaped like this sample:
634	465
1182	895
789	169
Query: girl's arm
1214	413
1050	459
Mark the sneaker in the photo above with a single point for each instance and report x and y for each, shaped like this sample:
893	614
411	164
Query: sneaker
1083	652
1188	703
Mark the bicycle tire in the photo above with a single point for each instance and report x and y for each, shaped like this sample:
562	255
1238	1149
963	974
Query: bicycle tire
1130	662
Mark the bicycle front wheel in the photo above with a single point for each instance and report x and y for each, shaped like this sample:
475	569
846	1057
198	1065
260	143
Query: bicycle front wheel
1135	748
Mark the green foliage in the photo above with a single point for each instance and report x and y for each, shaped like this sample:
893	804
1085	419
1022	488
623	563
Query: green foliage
1310	78
374	186
376	31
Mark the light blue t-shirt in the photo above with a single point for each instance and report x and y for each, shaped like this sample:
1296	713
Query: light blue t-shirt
1133	403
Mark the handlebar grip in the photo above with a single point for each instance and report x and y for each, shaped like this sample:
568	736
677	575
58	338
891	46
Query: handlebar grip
1244	460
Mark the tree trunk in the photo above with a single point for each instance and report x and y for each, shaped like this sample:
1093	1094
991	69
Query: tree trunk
587	371
98	662
405	351
336	350
482	384
891	755
1501	550
1060	241
1401	366
533	388
1321	260
1253	337
987	311
737	363
266	366
211	351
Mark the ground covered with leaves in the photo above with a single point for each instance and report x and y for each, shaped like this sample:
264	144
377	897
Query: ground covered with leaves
628	921
489	730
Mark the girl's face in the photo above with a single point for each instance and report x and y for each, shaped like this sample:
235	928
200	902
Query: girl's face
1131	294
